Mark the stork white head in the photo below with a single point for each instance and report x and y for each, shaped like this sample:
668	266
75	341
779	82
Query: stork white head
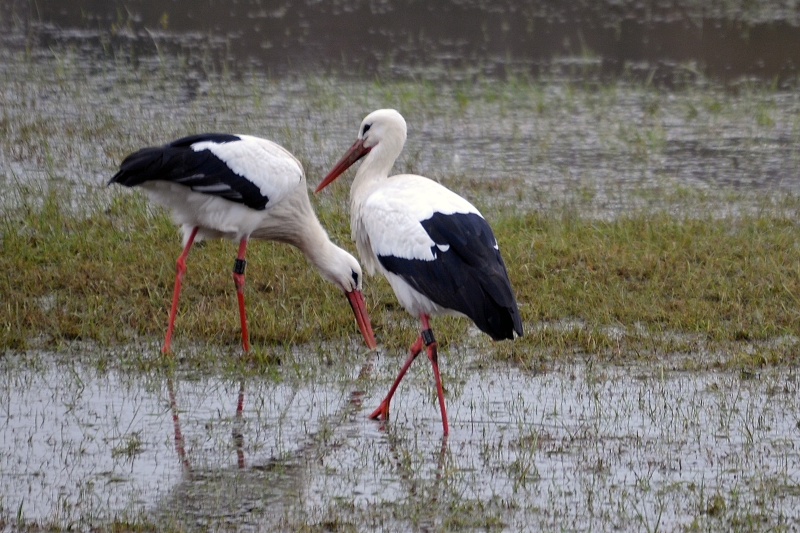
342	269
383	125
382	132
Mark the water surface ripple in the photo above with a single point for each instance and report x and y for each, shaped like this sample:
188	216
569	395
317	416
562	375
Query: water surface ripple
579	446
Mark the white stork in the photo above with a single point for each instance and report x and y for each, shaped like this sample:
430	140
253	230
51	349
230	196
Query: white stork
240	187
434	247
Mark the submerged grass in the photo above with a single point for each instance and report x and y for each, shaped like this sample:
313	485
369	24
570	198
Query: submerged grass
630	285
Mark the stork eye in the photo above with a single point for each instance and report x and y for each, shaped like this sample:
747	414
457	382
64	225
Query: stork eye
366	129
355	277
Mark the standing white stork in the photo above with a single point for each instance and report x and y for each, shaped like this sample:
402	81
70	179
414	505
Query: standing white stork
239	187
434	247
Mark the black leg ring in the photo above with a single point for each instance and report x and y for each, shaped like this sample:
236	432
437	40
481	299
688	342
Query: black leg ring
427	337
238	266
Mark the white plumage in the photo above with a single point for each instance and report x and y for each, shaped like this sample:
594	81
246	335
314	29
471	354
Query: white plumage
434	247
391	217
239	187
269	166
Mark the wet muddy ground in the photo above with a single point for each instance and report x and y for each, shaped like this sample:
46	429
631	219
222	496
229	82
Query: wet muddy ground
678	107
583	445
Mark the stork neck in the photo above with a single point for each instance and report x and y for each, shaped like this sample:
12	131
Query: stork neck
315	244
374	169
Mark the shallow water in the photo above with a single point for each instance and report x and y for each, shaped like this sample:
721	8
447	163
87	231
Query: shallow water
581	445
668	41
601	151
91	82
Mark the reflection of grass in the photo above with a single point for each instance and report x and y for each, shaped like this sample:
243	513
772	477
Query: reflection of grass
105	272
129	446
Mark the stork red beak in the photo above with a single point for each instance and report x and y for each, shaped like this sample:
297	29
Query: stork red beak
356	152
362	318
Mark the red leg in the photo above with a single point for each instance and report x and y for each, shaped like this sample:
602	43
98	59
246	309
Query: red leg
180	268
383	409
238	280
434	359
425	339
433	356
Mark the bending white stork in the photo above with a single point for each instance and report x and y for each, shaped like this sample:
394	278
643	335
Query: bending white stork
240	187
434	247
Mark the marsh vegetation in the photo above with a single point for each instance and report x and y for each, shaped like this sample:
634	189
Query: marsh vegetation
650	233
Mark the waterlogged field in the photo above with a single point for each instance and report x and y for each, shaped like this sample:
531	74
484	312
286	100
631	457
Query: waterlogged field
650	235
578	446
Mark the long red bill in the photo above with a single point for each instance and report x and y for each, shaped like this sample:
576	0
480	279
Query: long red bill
356	152
362	318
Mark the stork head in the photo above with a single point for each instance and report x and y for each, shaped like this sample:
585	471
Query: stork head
342	269
383	131
383	125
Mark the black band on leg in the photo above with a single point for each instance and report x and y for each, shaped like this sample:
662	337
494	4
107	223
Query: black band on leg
238	266
427	337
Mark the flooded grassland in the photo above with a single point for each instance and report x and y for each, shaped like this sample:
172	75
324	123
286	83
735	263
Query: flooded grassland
579	446
650	234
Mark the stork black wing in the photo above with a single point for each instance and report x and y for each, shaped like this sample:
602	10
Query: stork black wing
467	275
201	171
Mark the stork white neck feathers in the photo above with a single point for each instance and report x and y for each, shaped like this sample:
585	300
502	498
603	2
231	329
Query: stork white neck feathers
383	134
333	263
294	222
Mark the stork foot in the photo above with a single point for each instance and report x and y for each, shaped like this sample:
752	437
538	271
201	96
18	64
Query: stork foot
382	412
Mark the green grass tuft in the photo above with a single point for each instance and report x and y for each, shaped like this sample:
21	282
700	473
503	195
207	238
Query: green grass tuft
104	273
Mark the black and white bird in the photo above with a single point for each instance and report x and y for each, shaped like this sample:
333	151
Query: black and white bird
434	247
240	187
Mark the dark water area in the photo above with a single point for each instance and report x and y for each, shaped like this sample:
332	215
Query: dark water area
667	42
